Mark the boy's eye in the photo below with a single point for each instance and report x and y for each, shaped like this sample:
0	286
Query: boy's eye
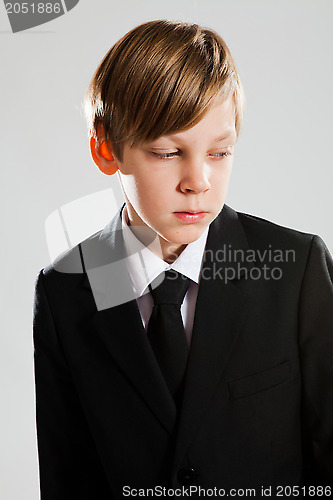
163	156
222	154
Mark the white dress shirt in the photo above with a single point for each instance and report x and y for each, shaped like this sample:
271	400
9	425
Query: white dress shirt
144	266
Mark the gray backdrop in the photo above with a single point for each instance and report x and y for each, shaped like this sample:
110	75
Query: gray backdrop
282	168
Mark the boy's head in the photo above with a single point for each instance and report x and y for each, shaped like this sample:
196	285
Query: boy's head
160	78
164	108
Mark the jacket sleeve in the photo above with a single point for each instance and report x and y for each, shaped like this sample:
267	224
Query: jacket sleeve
69	465
316	357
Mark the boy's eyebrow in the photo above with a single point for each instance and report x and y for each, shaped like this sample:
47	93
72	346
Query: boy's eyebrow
226	135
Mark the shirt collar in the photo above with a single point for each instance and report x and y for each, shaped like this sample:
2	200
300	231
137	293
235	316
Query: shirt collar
144	266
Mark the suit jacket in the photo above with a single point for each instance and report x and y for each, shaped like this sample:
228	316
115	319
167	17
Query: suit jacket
258	399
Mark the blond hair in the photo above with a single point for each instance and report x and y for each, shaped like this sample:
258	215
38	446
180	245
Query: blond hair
160	78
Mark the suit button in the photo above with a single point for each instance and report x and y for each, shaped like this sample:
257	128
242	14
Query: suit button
187	476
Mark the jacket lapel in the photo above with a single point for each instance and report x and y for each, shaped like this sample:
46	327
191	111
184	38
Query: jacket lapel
130	349
220	312
118	323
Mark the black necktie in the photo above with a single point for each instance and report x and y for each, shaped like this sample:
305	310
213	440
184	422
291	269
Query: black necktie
166	330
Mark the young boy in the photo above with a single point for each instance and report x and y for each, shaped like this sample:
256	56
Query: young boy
186	349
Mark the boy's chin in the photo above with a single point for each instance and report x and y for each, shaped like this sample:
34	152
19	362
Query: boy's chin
187	235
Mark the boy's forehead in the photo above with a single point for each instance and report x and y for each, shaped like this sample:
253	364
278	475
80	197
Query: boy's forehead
227	134
217	125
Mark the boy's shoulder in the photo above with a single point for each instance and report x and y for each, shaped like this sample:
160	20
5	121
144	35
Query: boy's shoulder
262	233
100	248
255	226
259	231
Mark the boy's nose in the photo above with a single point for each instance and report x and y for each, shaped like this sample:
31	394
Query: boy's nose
194	177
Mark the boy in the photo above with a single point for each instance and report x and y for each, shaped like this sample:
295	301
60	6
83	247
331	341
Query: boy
185	345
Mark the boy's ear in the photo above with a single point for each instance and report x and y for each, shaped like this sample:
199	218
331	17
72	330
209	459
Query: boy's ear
103	157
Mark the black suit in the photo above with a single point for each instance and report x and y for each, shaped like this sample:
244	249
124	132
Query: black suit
258	401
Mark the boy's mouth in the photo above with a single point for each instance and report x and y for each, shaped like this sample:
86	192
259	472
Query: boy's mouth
189	216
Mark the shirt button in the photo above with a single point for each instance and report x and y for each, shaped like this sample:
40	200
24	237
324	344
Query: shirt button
187	476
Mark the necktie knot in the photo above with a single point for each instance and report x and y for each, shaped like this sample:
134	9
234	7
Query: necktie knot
172	290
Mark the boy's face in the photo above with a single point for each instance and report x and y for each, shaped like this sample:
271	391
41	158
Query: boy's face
176	185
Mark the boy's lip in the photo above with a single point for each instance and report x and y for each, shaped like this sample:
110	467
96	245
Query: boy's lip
190	212
190	217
